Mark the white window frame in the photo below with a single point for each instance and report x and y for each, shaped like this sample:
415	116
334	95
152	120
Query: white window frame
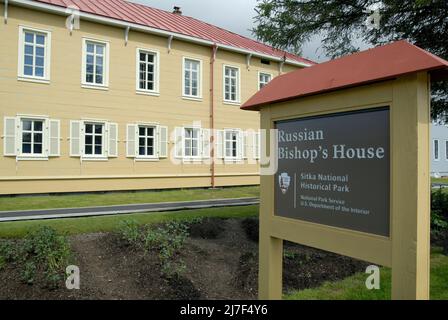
47	58
446	150
436	149
200	79
260	73
84	83
156	90
155	156
238	86
239	140
105	141
199	145
45	137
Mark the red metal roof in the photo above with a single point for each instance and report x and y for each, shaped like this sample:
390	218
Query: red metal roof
377	64
176	23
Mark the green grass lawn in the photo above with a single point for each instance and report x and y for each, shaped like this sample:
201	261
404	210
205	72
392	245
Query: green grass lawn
353	288
439	180
72	226
117	198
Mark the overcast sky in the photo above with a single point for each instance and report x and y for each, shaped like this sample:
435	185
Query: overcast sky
233	15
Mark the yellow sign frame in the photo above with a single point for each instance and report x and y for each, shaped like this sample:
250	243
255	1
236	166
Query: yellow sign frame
407	250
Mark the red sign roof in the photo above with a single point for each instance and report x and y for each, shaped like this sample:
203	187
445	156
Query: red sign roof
381	63
175	23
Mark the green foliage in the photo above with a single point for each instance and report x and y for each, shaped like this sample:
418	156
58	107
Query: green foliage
129	231
168	239
288	24
439	213
42	254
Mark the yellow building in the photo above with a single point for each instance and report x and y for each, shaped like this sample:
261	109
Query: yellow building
119	96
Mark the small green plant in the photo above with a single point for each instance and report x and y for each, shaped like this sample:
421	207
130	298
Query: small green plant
167	240
46	251
129	231
2	262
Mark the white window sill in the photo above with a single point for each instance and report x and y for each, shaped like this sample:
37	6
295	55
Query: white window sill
140	159
192	98
33	79
95	87
32	158
232	103
86	158
148	93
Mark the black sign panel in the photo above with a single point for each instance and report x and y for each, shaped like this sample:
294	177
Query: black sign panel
334	170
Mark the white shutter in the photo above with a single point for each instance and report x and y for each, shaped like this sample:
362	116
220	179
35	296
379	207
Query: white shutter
131	140
54	139
240	145
219	144
245	146
75	138
112	140
205	143
10	136
256	145
163	141
179	141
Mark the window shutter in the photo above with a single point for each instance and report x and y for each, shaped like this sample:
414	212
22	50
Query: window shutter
240	145
245	146
179	142
131	140
205	143
256	145
219	144
54	140
112	140
75	138
10	137
163	141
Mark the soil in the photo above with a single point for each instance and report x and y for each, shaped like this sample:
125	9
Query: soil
221	260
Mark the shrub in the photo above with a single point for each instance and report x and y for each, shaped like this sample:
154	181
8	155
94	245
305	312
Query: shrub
167	240
43	254
47	251
129	231
439	213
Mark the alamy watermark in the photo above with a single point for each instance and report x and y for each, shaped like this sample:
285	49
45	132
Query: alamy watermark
373	280
73	277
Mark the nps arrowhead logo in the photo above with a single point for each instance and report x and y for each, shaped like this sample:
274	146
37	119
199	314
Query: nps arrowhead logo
284	180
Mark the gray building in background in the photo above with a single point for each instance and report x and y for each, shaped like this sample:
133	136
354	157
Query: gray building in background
439	150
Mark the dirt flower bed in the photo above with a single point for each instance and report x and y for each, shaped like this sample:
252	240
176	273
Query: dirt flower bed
219	259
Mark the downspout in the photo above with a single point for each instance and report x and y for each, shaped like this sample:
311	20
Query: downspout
6	12
212	114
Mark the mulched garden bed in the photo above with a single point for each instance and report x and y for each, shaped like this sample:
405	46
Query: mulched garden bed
221	256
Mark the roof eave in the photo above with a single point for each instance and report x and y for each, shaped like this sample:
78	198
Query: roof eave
123	24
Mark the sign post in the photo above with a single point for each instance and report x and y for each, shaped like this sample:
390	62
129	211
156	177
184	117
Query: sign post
352	167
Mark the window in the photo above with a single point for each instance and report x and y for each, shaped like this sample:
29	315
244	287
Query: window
436	149
263	79
95	63
232	144
231	84
32	136
147	71
146	141
34	54
446	149
93	139
192	78
192	142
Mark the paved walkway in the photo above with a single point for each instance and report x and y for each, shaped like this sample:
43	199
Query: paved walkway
123	209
